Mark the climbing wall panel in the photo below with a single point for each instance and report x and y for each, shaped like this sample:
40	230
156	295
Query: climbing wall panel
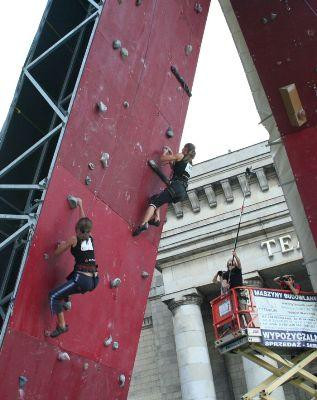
282	39
143	99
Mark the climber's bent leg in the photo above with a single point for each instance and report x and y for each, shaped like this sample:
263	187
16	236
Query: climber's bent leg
56	296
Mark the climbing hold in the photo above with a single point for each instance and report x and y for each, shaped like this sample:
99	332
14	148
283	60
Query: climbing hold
273	16
22	381
116	44
115	345
91	166
121	380
102	107
72	201
85	366
115	282
198	8
124	52
145	274
46	256
138	2
63	356
107	342
126	104
104	159
169	133
264	20
88	180
188	49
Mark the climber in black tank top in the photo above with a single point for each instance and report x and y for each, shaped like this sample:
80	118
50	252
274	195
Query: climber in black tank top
181	164
84	277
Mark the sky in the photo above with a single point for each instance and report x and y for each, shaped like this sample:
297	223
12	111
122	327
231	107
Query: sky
221	114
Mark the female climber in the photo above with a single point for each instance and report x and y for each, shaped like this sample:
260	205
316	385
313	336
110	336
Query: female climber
181	164
84	277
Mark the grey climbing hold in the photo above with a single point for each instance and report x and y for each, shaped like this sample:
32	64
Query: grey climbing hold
188	49
22	381
104	159
124	52
145	274
72	201
115	282
169	132
116	44
121	380
63	356
198	8
115	345
273	16
107	342
91	166
264	20
46	256
126	104
138	2
88	180
102	107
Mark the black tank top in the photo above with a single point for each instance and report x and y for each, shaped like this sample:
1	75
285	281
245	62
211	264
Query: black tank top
84	252
182	170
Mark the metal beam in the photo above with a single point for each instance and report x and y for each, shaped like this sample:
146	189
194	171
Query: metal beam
97	6
45	96
277	372
29	151
59	42
276	357
14	235
14	216
13	186
5	299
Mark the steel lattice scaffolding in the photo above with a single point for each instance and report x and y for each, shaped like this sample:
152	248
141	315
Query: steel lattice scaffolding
32	133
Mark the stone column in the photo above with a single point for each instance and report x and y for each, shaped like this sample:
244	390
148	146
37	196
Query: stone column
191	347
254	374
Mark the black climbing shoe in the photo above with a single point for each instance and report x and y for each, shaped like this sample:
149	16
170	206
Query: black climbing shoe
58	331
140	229
155	223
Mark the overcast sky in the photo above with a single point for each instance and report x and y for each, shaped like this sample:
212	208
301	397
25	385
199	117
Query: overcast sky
221	115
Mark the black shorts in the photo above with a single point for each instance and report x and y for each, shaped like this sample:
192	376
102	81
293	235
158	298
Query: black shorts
173	194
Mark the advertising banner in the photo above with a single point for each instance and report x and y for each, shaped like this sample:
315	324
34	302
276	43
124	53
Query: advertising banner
287	320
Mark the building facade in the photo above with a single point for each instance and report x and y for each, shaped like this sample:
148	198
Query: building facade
176	357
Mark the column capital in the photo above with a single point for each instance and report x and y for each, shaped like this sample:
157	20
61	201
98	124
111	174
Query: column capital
188	296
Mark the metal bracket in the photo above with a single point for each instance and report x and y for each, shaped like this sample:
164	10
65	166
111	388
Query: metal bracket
181	80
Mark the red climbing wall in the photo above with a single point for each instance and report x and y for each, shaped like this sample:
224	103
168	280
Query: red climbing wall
282	39
155	35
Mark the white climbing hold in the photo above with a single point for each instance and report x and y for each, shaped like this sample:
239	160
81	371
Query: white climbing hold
108	341
85	366
104	159
124	52
116	44
121	380
188	49
145	274
115	282
63	356
102	107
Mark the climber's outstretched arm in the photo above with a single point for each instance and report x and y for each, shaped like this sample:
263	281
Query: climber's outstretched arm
81	210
